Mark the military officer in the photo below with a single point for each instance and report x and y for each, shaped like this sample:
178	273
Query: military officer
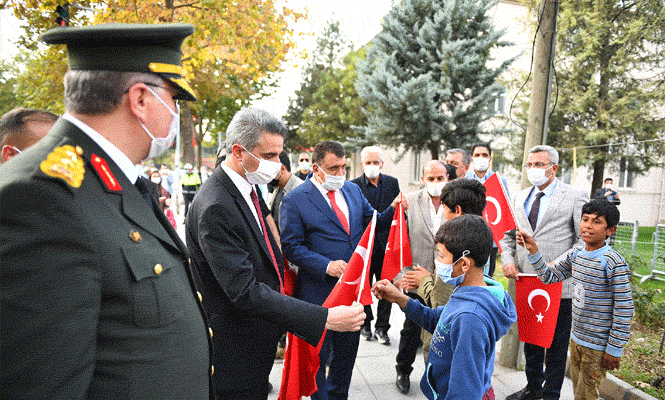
97	298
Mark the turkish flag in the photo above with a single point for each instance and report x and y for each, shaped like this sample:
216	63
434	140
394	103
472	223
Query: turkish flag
497	213
537	309
398	247
301	360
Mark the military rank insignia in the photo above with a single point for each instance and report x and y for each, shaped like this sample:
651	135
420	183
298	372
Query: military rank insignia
102	168
65	162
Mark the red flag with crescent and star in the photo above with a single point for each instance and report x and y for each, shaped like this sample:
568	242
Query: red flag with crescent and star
537	309
398	247
498	213
301	360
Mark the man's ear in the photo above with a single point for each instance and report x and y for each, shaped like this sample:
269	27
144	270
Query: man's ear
458	210
8	152
136	98
236	151
467	264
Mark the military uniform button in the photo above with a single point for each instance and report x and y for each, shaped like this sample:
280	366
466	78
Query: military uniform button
158	269
200	296
212	369
210	330
79	150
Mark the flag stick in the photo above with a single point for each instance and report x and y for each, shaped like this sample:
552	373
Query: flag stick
399	221
510	203
369	257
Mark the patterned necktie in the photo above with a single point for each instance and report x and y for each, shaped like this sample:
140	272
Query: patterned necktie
255	200
535	208
338	211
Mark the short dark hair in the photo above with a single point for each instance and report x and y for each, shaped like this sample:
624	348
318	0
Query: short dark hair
325	147
602	207
469	194
467	232
13	122
608	179
284	159
486	145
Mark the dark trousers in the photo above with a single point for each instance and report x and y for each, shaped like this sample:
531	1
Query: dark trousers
555	357
409	341
341	348
492	261
188	199
383	307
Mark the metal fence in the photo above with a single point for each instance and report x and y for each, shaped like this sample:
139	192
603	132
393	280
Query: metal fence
624	240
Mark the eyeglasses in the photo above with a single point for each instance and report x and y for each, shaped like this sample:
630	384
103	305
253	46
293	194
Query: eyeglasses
537	165
174	92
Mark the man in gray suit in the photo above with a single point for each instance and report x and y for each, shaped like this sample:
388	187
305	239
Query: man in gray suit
551	212
424	217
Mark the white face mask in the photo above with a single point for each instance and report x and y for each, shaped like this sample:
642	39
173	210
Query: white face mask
266	172
159	145
372	171
434	188
537	176
156	180
445	271
332	182
481	163
304	166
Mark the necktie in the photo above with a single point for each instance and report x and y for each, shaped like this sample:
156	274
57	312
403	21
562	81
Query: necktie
255	200
338	211
535	207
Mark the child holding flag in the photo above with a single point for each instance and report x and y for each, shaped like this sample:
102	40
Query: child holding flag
478	313
602	297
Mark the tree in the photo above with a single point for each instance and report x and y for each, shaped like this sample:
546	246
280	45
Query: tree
336	107
235	51
611	74
426	78
330	48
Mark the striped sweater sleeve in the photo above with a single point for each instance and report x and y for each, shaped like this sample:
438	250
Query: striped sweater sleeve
618	276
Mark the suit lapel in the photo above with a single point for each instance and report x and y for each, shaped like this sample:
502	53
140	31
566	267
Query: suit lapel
316	197
133	206
520	212
556	199
424	202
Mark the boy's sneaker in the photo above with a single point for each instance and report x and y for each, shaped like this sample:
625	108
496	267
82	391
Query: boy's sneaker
383	337
366	332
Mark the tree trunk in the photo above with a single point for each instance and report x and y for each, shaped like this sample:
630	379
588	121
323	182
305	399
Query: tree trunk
186	134
598	172
199	140
434	150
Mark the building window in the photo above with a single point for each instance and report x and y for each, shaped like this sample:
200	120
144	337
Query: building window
499	106
415	167
626	173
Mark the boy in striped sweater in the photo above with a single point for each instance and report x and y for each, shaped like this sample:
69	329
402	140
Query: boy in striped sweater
602	300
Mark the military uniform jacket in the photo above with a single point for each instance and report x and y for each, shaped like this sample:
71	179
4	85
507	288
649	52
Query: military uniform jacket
97	298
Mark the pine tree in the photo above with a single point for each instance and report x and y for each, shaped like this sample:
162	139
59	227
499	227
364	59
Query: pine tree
426	78
610	74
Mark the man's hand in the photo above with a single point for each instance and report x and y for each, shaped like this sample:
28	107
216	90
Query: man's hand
527	241
346	318
611	362
400	199
384	290
336	268
412	278
510	271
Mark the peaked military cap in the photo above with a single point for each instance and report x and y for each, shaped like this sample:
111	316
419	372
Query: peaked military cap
127	48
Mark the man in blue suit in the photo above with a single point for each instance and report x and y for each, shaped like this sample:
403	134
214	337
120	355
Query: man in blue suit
322	222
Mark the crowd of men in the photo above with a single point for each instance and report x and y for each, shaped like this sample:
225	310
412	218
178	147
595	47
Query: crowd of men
102	299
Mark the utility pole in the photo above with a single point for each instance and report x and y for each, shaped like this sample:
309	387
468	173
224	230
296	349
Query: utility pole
536	133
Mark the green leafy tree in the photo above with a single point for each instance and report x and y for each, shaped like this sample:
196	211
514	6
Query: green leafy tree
330	48
336	107
611	74
426	78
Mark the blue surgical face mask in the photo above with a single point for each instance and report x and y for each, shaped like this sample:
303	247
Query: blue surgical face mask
445	271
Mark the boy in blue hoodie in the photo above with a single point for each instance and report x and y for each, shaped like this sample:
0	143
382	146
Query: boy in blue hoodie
465	331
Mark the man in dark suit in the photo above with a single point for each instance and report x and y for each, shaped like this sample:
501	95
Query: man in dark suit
97	298
380	190
239	267
322	222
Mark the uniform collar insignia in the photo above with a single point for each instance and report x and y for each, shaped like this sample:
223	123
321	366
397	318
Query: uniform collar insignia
104	172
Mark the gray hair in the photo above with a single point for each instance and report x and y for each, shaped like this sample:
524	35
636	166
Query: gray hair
248	125
99	92
466	158
551	151
371	149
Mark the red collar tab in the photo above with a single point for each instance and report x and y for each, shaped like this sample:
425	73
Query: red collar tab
104	172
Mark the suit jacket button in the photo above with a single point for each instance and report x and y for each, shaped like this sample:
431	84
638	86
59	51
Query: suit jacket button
210	330
158	269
